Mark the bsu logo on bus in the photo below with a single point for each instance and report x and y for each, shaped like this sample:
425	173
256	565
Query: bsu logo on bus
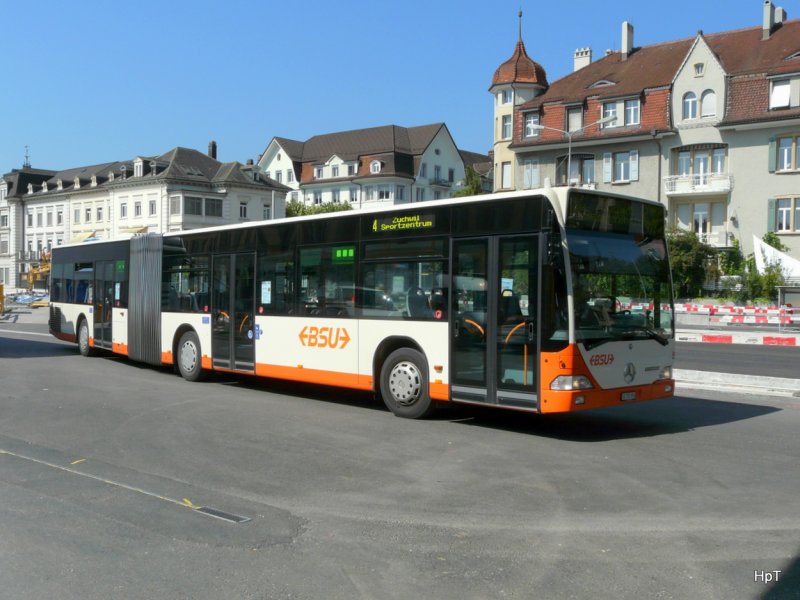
324	337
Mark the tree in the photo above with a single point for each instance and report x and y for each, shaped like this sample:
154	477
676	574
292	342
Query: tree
692	262
295	208
472	184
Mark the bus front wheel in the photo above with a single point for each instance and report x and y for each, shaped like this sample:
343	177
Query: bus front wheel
404	384
189	357
83	339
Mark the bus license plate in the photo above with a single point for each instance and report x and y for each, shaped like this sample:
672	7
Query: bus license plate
628	396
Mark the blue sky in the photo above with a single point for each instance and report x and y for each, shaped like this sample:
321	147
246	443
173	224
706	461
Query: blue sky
87	82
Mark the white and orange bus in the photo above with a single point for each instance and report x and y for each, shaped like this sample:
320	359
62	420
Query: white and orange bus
547	301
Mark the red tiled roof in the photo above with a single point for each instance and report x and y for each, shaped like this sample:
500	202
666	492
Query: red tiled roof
520	68
747	59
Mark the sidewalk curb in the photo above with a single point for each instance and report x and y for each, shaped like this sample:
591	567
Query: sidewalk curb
755	338
774	386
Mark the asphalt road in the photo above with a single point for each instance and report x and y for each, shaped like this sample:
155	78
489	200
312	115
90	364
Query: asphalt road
739	359
104	464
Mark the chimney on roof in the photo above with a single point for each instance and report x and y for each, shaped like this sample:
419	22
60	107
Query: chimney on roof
582	58
768	21
627	39
774	16
212	149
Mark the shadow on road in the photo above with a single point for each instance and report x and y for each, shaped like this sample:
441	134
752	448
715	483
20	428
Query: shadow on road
659	417
11	347
787	583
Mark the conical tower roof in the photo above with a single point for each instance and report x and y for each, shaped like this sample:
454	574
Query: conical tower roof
520	68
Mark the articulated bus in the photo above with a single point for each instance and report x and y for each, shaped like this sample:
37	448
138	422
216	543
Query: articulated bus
547	301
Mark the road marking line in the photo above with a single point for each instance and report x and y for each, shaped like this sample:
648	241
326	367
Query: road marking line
185	503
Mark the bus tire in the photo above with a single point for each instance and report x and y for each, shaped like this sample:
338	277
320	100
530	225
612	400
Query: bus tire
83	339
189	357
404	384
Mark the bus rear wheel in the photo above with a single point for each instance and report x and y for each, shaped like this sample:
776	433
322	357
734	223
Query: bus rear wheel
83	339
404	384
189	357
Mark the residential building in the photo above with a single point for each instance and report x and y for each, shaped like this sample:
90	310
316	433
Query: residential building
515	82
708	125
181	189
369	167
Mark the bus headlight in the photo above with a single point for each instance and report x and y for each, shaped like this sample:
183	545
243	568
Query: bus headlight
566	383
665	373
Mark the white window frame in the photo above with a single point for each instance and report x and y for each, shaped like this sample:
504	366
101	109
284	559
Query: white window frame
708	104
243	209
506	128
375	167
780	94
574	118
689	106
505	175
530	174
531	122
610	110
633	111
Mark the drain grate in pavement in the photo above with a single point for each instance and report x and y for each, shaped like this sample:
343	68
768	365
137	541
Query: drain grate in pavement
218	514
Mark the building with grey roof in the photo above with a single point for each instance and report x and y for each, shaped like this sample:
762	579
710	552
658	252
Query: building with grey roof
180	189
369	167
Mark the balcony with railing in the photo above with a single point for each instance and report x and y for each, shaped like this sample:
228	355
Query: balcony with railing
703	184
717	239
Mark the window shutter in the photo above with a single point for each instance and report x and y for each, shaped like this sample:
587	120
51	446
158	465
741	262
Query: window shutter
607	166
634	165
771	214
772	160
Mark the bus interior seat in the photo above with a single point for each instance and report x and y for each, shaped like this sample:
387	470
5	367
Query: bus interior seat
417	303
510	310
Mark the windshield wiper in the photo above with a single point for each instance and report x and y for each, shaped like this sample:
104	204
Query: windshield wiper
651	333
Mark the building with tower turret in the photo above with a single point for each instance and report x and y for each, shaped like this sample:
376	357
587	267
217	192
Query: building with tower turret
518	80
708	125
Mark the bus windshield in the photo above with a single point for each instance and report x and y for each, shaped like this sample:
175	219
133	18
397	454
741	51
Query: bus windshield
620	272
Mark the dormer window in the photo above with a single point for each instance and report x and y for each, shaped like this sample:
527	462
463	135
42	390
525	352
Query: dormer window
138	168
59	185
76	183
602	83
574	118
780	94
318	173
44	186
30	188
111	175
699	69
94	181
375	167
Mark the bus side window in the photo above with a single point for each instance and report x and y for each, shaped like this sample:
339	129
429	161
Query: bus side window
327	278
275	295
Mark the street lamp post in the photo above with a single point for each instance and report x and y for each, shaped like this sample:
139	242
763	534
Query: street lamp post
569	134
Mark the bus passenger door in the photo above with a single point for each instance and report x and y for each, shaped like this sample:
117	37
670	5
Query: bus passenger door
103	303
233	332
494	332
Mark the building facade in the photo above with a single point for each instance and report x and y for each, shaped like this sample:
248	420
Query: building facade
369	167
707	125
181	189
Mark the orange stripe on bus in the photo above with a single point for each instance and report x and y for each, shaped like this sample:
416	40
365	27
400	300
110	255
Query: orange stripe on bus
333	378
166	358
119	348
